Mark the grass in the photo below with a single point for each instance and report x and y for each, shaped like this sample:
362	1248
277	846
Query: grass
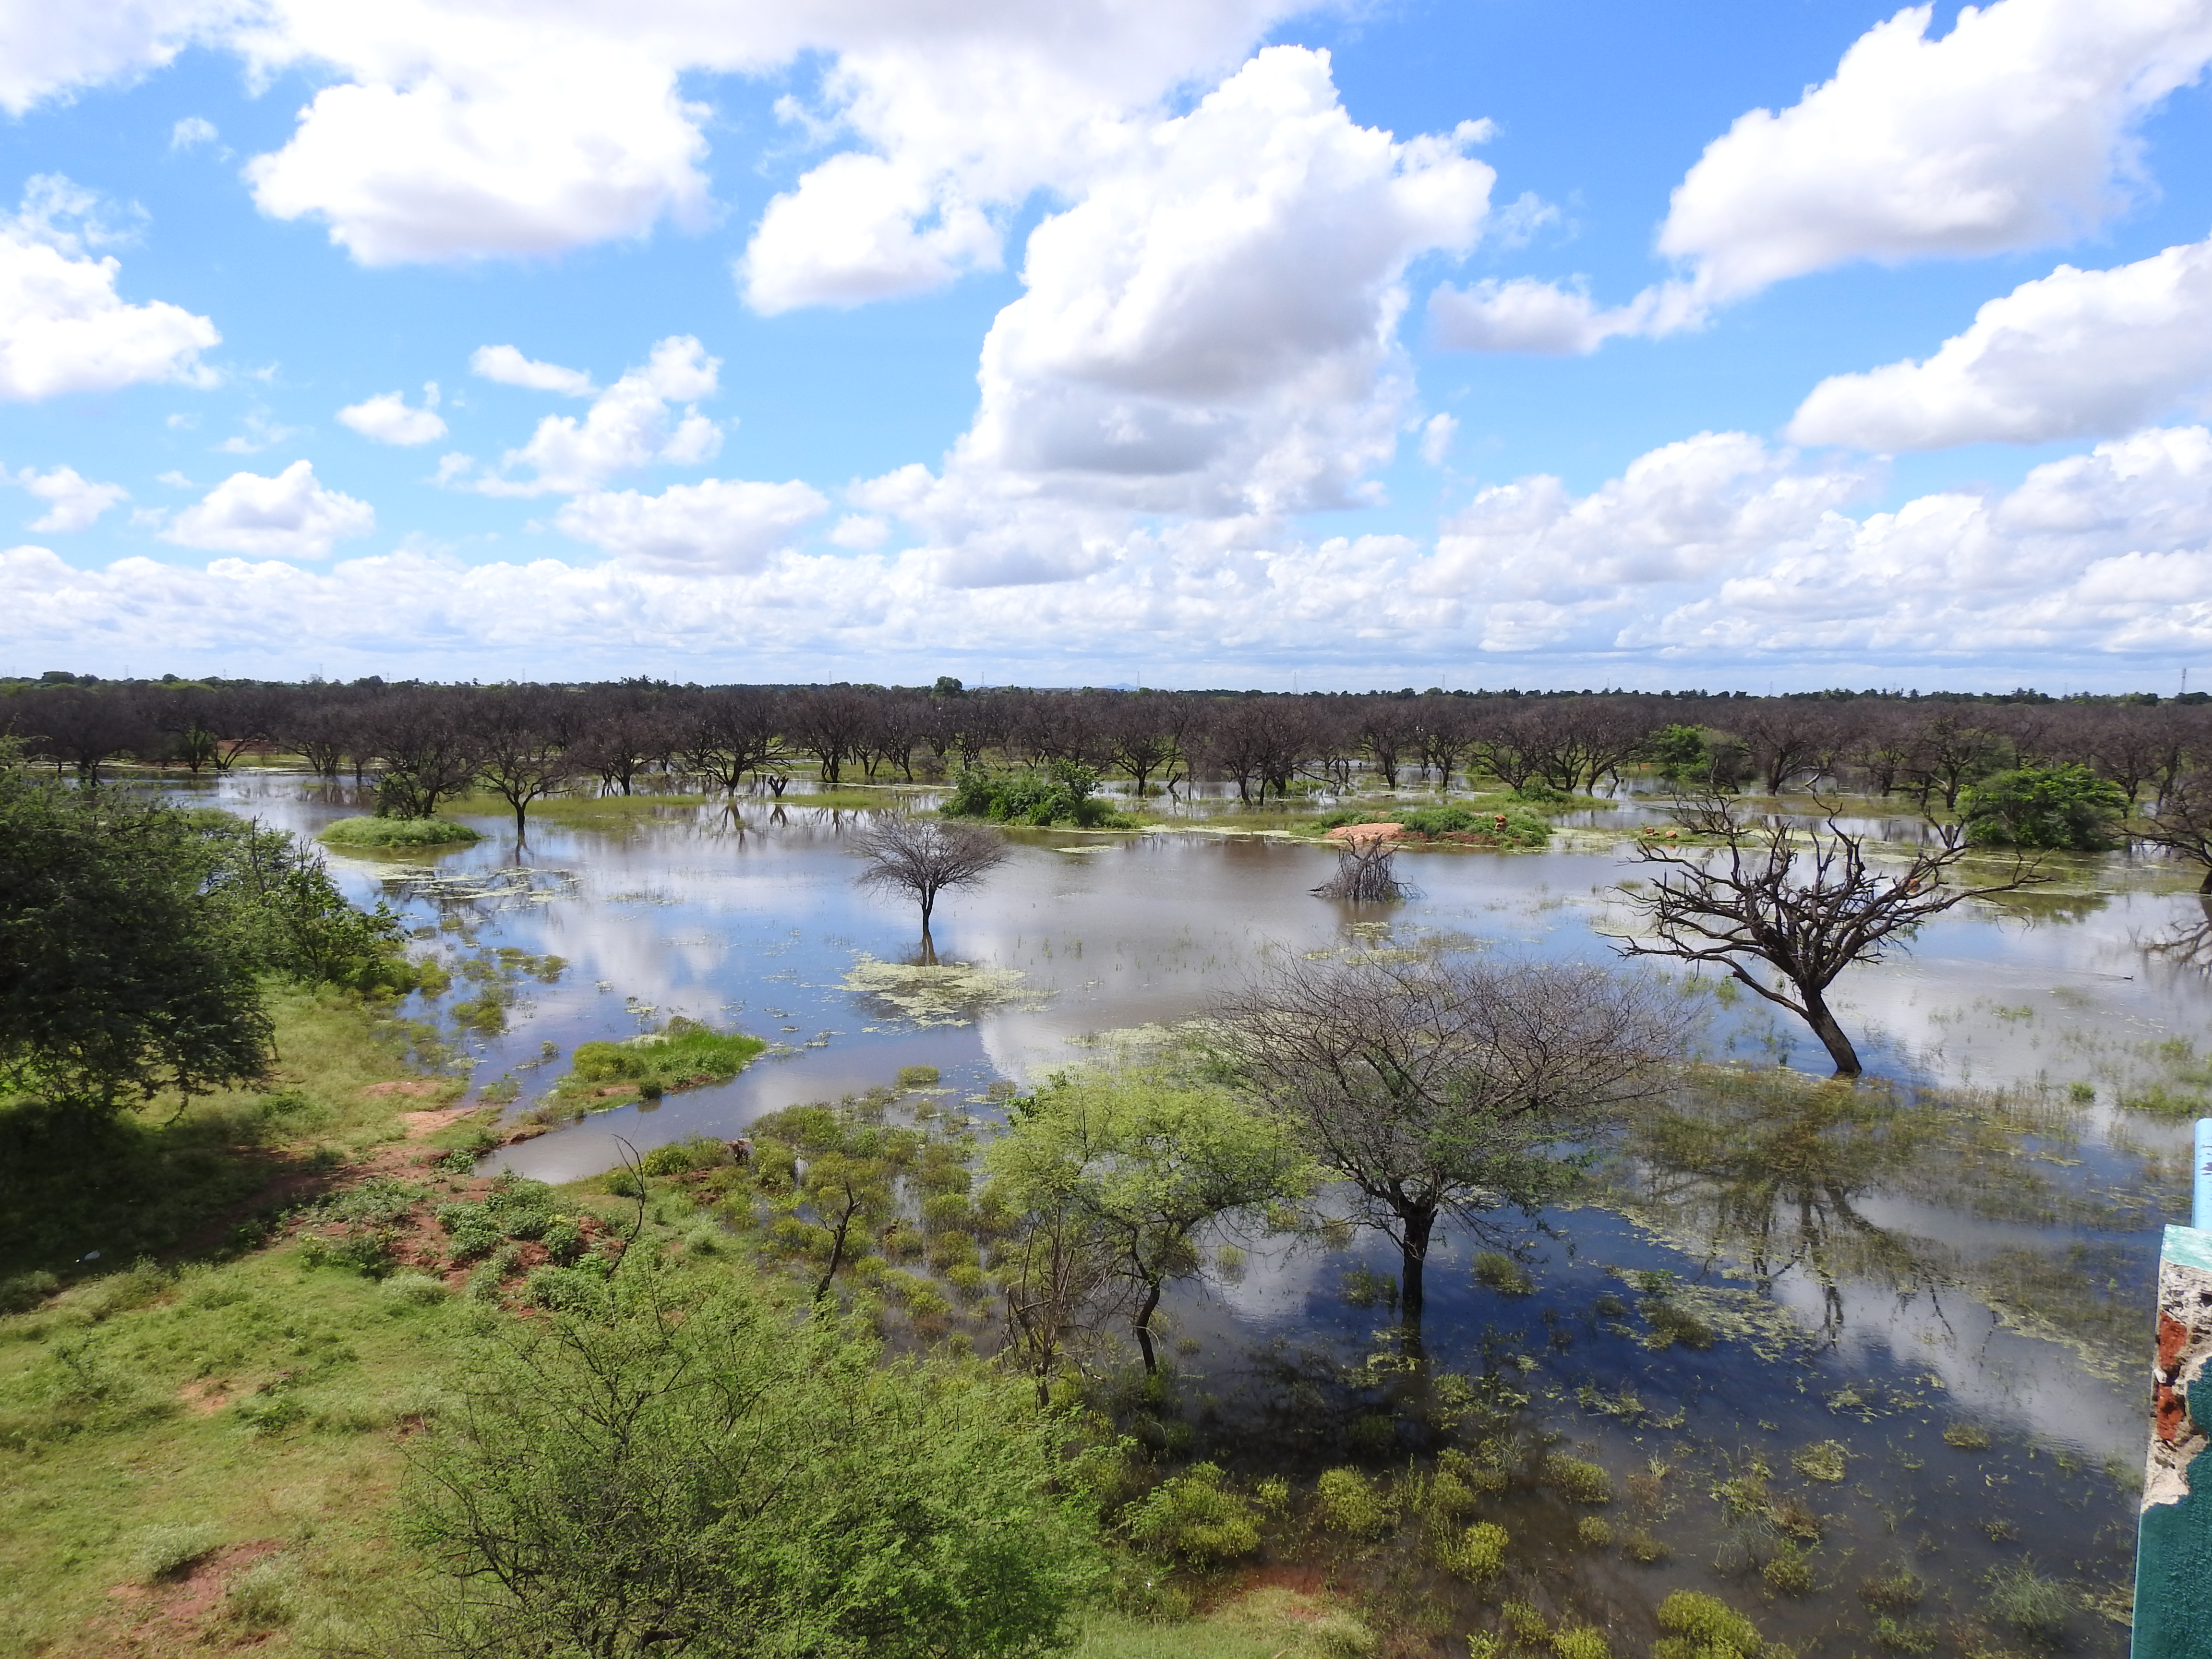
398	834
686	1055
158	1179
595	812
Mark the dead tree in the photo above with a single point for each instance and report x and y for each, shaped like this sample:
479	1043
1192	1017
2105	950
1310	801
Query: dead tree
1802	911
1366	872
2182	827
922	857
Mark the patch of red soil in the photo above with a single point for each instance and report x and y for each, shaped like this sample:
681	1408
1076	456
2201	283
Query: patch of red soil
203	1397
1368	832
159	1618
419	1124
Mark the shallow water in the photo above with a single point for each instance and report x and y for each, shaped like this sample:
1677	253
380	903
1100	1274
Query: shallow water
1979	1280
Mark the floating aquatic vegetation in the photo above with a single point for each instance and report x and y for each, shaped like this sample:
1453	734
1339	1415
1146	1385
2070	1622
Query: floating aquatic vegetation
498	890
949	993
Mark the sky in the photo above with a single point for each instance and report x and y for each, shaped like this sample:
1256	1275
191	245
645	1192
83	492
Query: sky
1726	344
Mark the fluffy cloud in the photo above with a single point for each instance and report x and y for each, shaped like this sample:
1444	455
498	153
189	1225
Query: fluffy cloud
1700	556
74	503
290	516
2073	354
388	420
629	425
49	50
62	326
507	366
708	526
1211	329
2014	129
1437	435
2011	131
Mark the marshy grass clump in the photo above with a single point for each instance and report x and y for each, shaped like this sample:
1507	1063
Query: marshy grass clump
1967	1437
397	835
262	1597
161	1553
1790	1572
2030	1603
1594	1532
1499	1272
1194	1517
1580	1642
1701	1626
1899	1589
1823	1460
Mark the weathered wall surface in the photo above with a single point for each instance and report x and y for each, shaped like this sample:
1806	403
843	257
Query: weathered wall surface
2173	1559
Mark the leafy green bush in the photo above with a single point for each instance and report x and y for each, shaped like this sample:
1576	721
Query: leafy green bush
567	1290
2056	808
1478	1554
471	1230
25	1291
1701	1626
416	1290
1193	1517
1581	1642
1576	1480
1350	1501
403	833
1057	793
776	1487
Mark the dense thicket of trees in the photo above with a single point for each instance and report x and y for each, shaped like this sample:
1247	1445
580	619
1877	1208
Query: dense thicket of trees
425	743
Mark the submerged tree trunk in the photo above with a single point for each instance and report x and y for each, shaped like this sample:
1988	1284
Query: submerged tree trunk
1143	1325
1832	1036
1414	1259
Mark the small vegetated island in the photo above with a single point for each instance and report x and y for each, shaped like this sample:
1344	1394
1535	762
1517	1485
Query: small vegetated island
1515	826
683	1054
397	835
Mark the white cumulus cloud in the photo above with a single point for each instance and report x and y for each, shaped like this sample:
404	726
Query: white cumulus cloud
1211	328
710	525
2077	353
51	51
290	516
191	131
507	366
2015	130
1437	435
62	326
629	425
73	503
387	417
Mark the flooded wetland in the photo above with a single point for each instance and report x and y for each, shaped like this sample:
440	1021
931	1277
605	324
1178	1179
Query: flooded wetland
1862	1361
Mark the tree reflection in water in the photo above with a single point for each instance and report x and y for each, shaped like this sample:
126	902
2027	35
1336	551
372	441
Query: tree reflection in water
1771	1171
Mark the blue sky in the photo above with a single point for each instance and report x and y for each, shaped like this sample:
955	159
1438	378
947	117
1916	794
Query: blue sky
1223	342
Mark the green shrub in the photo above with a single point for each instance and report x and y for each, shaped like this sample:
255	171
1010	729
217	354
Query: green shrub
1538	793
917	1077
403	833
1576	1480
567	1290
161	1553
261	1597
415	1289
1478	1554
1701	1626
1350	1501
1057	793
1194	1516
2058	808
1581	1642
1593	1532
1790	1573
25	1290
372	1254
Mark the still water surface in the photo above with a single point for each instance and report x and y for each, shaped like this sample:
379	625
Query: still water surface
1933	1277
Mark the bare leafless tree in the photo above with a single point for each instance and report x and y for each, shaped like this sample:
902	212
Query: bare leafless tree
2183	826
1064	1285
1366	872
1802	906
922	857
1443	1086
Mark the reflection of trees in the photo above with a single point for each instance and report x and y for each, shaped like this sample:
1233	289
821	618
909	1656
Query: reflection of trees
2049	909
1774	1172
2188	943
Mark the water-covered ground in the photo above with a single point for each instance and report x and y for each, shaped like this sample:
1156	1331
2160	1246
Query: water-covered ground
1932	1288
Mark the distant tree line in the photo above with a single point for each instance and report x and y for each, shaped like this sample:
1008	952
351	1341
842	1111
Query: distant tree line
423	745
